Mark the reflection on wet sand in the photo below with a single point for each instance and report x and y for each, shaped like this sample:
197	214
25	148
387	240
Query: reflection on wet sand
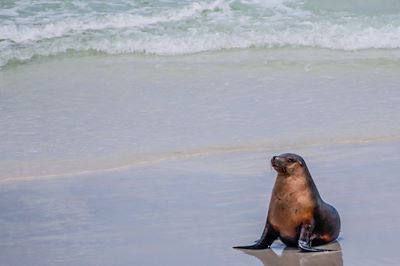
291	256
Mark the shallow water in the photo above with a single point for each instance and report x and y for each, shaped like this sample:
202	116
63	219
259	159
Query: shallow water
89	112
193	211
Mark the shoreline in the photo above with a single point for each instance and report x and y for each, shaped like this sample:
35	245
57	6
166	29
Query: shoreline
277	55
150	160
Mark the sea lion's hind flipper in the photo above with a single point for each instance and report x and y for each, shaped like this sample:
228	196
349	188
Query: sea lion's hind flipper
258	245
254	247
305	247
268	236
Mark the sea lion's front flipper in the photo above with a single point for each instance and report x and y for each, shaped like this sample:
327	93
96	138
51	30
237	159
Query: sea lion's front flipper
268	236
304	243
305	247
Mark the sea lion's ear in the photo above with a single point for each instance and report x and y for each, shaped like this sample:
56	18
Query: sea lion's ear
301	163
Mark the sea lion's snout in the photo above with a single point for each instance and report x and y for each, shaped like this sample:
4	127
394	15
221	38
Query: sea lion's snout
277	160
273	160
278	163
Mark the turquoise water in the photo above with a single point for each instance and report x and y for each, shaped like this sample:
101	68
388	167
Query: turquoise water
32	28
95	85
90	112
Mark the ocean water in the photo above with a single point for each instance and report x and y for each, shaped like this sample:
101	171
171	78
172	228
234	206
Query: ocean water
163	27
94	85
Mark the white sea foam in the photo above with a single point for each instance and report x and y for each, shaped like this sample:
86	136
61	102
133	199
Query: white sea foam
24	33
191	28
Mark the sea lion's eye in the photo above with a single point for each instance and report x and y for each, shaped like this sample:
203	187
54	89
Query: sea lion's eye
291	160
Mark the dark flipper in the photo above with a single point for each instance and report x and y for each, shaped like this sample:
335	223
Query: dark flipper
305	247
268	236
304	243
258	245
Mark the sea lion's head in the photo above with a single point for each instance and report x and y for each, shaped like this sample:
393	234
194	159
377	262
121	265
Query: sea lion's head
288	163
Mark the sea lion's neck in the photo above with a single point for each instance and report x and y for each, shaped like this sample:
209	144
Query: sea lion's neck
310	181
298	181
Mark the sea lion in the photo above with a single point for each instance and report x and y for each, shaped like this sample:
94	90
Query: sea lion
297	214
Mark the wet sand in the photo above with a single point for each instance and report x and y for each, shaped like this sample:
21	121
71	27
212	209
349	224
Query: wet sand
192	211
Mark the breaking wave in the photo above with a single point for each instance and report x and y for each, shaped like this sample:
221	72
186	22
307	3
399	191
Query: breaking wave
168	28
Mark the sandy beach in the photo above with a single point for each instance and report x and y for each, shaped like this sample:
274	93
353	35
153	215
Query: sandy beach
192	211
